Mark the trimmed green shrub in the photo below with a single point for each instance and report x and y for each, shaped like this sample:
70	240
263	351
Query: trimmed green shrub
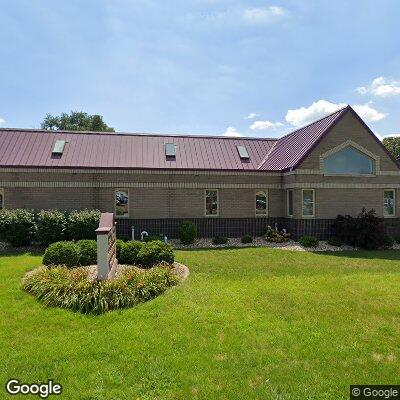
62	253
17	227
152	238
309	241
87	252
334	241
71	288
83	224
187	232
388	242
397	239
220	240
247	239
366	230
51	226
129	252
154	253
119	245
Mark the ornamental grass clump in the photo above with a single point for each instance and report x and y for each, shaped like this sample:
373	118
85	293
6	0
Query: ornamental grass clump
73	290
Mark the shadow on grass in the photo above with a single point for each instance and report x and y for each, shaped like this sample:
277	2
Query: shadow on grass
366	254
20	251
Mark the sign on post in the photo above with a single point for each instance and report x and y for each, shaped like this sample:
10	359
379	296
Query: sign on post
106	246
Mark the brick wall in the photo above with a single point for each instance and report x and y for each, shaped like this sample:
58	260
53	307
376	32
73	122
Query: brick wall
237	227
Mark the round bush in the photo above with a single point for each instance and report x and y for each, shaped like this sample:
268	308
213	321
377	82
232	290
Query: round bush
17	227
51	226
309	241
154	253
129	252
83	224
220	240
87	252
187	232
119	244
388	242
151	238
247	239
334	241
62	253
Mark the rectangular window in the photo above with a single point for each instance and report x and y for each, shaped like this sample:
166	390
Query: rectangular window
1	199
389	205
290	203
122	203
261	202
211	203
308	203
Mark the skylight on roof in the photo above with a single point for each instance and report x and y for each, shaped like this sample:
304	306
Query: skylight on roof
58	147
170	150
243	154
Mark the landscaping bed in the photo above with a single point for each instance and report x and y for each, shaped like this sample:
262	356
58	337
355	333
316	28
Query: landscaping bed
78	289
204	243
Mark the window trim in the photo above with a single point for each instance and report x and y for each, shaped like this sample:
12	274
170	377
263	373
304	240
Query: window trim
265	192
205	203
394	203
115	202
361	149
4	199
287	203
302	202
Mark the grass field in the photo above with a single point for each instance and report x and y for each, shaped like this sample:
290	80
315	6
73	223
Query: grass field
247	324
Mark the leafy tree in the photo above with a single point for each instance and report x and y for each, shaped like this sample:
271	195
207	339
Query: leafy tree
76	121
393	145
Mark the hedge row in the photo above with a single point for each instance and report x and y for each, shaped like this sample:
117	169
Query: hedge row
20	227
84	252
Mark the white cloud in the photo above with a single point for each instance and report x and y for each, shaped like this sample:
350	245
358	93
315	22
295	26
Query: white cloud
262	125
261	15
2	121
381	87
252	115
319	109
305	115
365	111
231	131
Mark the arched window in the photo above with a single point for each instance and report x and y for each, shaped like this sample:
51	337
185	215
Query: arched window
348	161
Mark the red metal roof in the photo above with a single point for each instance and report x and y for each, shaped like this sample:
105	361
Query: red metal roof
33	148
291	149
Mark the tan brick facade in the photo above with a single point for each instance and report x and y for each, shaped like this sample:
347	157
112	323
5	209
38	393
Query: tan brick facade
180	194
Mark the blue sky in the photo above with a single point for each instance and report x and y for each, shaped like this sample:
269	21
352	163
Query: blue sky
255	68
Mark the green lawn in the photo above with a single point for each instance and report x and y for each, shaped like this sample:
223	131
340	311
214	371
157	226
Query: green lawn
247	324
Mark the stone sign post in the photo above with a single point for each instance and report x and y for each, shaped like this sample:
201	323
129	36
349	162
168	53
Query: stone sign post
106	247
